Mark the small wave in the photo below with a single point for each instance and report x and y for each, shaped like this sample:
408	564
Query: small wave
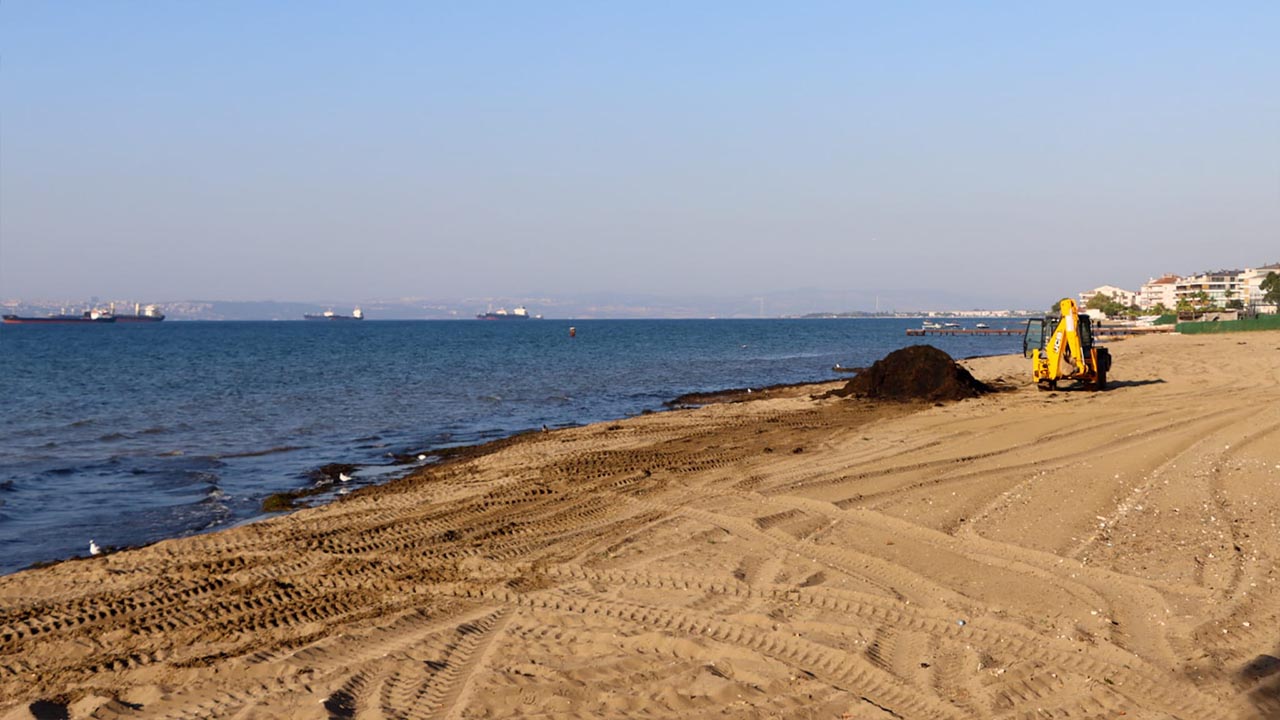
491	398
216	510
165	462
26	432
81	423
112	437
260	453
157	430
5	486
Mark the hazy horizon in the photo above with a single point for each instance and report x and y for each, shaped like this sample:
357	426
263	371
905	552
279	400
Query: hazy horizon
291	151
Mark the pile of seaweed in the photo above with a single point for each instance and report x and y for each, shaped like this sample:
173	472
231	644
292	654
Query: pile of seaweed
918	372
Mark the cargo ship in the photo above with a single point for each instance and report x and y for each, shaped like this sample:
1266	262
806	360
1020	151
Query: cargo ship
519	313
356	314
88	316
149	313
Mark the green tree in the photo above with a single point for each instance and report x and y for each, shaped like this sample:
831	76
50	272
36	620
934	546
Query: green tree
1109	305
1271	288
1236	304
1160	309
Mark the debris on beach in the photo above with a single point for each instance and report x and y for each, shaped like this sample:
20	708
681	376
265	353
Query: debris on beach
333	472
322	478
736	395
919	372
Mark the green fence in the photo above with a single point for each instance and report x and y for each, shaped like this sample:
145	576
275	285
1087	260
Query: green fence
1262	322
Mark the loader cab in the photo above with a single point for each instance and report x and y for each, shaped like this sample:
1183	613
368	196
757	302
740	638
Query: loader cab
1033	338
1039	329
1086	333
1095	359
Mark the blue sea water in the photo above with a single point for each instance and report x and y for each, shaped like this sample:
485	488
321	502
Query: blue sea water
128	434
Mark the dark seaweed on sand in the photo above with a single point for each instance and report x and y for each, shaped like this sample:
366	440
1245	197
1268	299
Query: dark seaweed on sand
919	372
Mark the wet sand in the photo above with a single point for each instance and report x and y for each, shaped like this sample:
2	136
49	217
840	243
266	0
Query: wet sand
1018	555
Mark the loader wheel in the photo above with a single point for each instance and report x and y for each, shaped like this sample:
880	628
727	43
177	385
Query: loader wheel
1102	377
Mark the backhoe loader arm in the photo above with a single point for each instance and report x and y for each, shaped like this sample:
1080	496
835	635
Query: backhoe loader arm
1066	338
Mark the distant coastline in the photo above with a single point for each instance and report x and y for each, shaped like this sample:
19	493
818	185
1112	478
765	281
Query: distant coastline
919	314
579	308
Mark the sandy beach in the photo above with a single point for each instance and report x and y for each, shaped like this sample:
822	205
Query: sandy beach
1024	554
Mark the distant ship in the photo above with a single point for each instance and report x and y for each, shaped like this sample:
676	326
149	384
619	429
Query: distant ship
150	313
88	316
519	313
331	315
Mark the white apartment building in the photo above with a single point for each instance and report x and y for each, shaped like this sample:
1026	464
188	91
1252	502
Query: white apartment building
1159	291
1222	286
1124	297
1251	287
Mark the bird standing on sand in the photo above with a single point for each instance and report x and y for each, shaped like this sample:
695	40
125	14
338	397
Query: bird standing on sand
94	549
343	477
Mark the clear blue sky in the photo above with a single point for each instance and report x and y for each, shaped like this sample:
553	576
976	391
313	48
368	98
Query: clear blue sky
310	150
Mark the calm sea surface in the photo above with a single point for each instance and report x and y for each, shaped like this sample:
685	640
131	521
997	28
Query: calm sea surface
128	434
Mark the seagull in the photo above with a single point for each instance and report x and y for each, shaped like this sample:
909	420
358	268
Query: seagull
344	477
544	428
94	549
422	456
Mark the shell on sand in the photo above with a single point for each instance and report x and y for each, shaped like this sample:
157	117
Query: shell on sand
1074	554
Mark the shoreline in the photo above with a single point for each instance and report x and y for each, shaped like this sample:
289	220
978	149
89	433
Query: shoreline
284	502
1085	552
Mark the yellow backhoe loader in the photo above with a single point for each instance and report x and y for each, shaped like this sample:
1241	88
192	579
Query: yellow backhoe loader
1068	352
